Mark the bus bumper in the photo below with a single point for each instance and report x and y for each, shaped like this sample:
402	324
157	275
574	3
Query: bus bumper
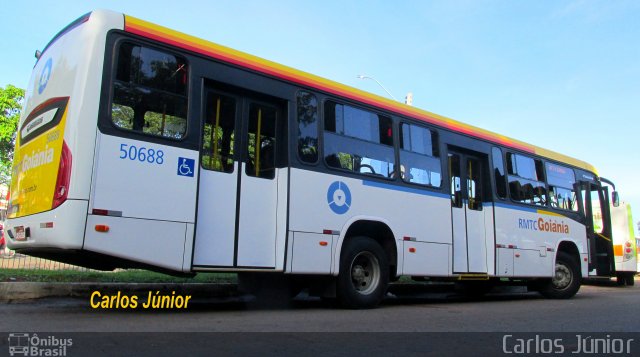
58	228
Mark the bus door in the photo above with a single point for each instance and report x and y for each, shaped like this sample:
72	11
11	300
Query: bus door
467	213
595	201
238	188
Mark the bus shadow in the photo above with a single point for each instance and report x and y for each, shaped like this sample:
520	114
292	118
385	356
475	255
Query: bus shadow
405	295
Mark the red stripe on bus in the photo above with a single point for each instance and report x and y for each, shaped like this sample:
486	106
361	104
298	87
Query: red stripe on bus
292	77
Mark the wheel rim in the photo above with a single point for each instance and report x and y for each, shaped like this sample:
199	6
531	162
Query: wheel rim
563	277
365	273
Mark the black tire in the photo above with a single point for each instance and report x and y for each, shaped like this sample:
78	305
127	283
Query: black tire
364	274
631	280
625	278
566	281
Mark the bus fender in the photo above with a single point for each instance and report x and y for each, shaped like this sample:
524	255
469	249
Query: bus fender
583	253
335	264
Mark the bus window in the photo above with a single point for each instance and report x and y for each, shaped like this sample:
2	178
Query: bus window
358	141
498	168
150	92
418	156
526	180
561	182
474	184
219	133
307	127
261	141
597	206
456	183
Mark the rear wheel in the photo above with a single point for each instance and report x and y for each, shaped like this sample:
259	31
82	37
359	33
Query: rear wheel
364	274
566	280
625	278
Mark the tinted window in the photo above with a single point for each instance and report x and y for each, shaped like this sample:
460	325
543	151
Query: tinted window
307	127
261	141
219	133
498	171
150	92
358	140
561	182
456	180
418	156
526	179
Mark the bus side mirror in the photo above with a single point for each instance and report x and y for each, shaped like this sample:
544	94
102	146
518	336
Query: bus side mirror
615	198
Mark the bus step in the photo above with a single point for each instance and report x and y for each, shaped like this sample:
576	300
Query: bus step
481	276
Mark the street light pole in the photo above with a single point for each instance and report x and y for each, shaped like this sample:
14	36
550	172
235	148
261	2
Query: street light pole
361	76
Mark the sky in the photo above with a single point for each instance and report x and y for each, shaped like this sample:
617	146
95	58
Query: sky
563	75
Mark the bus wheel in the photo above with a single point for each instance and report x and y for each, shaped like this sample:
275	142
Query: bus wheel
625	278
631	279
364	274
566	280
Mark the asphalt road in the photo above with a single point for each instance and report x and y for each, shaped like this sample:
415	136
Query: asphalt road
424	323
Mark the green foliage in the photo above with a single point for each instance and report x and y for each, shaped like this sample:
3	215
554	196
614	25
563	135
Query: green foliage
119	276
10	105
153	123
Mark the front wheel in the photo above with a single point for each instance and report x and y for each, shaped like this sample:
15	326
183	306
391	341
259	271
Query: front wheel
566	280
364	274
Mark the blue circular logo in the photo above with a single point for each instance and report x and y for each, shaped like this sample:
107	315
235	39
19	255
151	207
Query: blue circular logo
339	197
44	76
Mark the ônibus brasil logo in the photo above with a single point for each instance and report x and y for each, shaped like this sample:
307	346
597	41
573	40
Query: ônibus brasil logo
24	344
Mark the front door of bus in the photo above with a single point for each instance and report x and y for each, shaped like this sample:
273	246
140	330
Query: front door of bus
468	213
238	188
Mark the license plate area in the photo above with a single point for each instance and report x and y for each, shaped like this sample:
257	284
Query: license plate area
20	233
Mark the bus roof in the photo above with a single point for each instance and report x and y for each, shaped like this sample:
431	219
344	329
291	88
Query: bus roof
226	54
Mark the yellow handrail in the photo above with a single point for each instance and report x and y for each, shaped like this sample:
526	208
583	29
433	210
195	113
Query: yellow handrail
213	136
258	133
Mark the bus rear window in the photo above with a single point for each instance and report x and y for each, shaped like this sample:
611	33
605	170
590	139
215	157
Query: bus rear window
150	92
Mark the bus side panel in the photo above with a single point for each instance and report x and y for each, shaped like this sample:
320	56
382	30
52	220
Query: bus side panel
157	243
489	237
130	180
409	212
534	236
149	192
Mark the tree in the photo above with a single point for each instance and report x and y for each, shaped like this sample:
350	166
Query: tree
10	105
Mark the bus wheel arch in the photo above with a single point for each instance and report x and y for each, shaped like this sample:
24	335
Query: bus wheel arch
376	230
567	273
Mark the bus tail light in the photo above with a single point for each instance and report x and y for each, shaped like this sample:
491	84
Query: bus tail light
64	176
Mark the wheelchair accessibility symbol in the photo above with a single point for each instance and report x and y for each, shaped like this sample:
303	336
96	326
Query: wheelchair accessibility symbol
339	197
186	166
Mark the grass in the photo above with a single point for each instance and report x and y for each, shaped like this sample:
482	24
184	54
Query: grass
120	276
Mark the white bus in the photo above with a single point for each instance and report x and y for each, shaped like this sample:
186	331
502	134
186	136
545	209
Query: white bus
140	146
624	244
